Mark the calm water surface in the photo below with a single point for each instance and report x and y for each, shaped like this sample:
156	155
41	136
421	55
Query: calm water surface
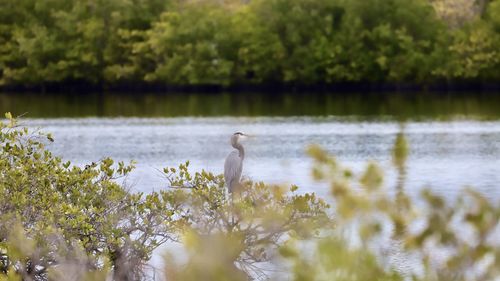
454	137
446	155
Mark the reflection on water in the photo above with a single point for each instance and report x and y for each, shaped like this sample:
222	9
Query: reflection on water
360	105
444	155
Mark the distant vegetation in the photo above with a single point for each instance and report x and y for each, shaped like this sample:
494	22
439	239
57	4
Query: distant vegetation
258	42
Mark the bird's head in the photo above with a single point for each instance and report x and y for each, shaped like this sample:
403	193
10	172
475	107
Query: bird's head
238	136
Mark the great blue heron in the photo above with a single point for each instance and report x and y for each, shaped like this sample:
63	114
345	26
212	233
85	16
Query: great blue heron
234	162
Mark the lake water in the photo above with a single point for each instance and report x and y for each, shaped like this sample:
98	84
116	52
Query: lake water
454	138
445	155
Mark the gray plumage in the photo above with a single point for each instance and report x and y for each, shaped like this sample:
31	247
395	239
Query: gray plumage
233	166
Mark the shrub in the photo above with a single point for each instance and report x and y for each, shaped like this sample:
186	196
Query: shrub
67	213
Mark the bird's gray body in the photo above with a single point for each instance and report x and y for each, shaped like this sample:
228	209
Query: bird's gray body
233	166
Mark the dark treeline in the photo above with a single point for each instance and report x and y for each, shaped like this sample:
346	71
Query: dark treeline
120	43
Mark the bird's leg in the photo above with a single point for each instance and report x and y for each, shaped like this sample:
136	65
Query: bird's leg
232	208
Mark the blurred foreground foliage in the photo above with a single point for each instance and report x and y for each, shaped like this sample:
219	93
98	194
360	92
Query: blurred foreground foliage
378	234
233	42
242	231
384	234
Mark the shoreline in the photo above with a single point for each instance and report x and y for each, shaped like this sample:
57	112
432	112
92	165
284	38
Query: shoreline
141	87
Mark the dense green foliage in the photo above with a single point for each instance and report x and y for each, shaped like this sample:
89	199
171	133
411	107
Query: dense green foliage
209	42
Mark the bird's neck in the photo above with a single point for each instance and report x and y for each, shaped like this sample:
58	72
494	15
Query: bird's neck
240	149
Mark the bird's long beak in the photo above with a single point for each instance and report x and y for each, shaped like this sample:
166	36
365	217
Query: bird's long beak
249	136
